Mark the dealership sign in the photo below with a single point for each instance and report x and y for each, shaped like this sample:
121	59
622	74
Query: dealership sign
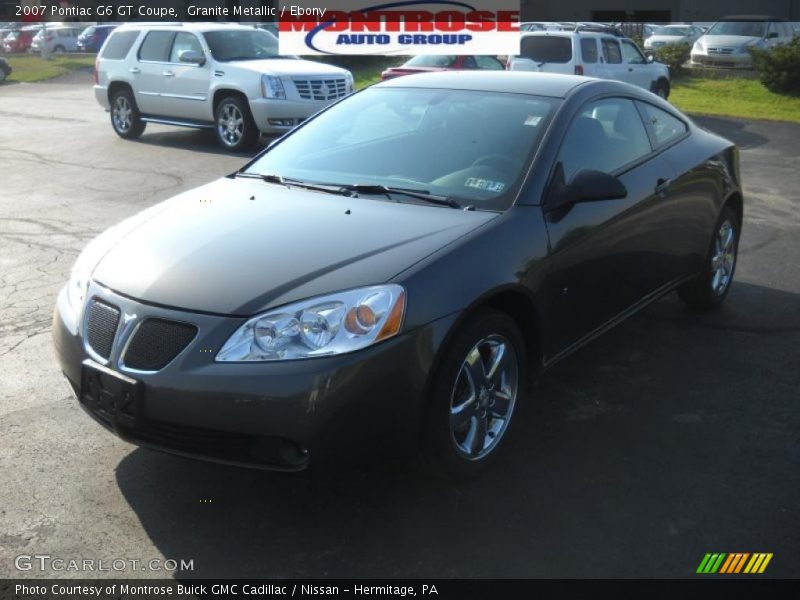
401	27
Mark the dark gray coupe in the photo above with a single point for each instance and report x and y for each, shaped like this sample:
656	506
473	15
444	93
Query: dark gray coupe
391	274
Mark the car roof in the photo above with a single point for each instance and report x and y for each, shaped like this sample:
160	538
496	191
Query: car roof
187	26
515	82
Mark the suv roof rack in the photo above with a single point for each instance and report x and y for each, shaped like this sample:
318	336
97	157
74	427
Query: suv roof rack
596	28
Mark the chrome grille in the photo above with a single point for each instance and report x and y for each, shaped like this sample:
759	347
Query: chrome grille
156	342
720	50
321	89
101	327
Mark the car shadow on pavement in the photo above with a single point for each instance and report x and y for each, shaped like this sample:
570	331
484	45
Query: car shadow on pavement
672	436
195	140
735	130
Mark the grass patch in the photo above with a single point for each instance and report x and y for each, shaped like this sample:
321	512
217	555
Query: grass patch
31	67
733	97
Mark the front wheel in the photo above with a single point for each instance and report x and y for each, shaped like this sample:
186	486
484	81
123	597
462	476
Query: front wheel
711	287
474	395
662	89
234	125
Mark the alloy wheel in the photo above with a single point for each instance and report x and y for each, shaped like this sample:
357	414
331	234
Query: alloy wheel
122	114
723	259
483	397
230	125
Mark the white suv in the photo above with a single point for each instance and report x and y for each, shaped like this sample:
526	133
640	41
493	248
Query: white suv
601	55
228	78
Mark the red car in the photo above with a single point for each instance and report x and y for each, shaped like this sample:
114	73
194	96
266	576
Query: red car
425	63
18	41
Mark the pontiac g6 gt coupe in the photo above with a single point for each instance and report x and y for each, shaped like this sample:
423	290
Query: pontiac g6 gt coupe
391	274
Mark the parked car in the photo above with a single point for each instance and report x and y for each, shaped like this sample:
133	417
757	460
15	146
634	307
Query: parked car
228	78
672	34
392	274
593	54
425	63
18	41
728	41
5	69
57	40
91	39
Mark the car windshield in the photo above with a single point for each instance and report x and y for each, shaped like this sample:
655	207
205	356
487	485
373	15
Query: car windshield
89	31
234	44
678	31
468	146
743	28
427	60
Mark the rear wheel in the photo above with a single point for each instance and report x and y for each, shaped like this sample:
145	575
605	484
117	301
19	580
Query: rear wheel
474	395
59	50
234	125
125	117
710	289
662	89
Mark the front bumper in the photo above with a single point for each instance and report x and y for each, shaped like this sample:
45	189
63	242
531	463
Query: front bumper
101	95
729	61
278	415
267	113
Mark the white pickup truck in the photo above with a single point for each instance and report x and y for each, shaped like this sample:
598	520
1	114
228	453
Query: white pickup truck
224	77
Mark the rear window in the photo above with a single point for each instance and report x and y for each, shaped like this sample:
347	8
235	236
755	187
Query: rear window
547	49
589	50
119	44
156	46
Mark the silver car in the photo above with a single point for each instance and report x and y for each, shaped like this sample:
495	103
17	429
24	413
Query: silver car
728	42
672	34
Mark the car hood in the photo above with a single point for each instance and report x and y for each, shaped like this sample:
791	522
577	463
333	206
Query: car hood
731	41
286	66
238	247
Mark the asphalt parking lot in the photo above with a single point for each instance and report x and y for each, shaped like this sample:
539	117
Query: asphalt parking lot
674	435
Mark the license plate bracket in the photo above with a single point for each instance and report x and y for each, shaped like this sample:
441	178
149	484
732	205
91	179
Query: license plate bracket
112	397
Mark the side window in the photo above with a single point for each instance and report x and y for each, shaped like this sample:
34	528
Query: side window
155	46
469	63
119	44
632	54
665	127
605	136
184	41
489	63
589	50
611	51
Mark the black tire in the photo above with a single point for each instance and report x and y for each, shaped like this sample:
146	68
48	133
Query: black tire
445	441
241	132
705	292
59	49
662	89
126	120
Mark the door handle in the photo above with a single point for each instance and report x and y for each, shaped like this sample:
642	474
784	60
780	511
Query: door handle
135	70
662	185
169	74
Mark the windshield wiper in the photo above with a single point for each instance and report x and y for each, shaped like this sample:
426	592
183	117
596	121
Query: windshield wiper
356	188
425	195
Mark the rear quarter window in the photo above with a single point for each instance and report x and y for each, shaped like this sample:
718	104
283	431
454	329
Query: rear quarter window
119	44
547	48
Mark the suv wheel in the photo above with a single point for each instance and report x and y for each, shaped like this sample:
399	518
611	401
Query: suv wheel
234	125
474	394
125	117
710	289
59	50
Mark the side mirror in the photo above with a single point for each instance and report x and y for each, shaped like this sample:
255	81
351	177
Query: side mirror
192	57
590	186
523	64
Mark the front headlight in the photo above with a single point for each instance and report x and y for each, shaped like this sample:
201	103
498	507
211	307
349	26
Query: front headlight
272	87
322	326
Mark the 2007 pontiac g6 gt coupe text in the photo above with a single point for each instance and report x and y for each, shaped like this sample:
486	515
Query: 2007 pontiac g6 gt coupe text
392	273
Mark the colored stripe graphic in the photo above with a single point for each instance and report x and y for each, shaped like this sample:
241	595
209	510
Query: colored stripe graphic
734	563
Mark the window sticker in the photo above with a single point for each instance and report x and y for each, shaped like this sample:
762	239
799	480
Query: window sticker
533	121
485	184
